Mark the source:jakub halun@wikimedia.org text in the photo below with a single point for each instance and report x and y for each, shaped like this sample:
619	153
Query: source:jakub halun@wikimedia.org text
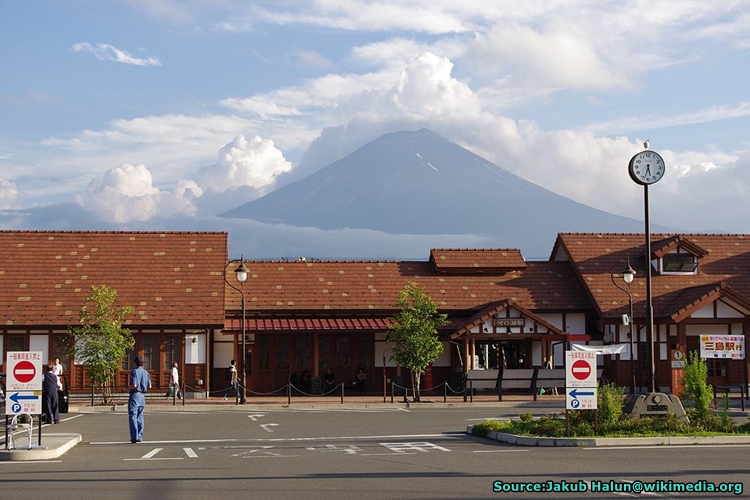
580	486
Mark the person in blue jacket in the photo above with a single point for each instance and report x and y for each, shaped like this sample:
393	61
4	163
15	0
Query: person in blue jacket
140	383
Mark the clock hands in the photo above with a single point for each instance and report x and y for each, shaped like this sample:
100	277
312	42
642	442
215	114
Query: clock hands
648	170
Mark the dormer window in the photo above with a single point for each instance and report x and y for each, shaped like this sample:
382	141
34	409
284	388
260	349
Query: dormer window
679	262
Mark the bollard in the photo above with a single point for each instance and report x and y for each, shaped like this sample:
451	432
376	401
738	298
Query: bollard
343	386
289	394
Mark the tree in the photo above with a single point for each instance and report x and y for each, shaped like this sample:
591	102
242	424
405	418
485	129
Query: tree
414	332
99	340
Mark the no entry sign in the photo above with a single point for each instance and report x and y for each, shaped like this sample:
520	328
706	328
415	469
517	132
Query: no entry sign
580	369
24	371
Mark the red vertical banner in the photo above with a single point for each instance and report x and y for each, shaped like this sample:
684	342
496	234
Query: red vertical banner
677	358
428	378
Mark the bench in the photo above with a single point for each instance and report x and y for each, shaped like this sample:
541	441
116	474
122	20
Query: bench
526	379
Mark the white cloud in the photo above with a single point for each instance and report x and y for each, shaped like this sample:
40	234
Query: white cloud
253	162
106	52
126	194
8	194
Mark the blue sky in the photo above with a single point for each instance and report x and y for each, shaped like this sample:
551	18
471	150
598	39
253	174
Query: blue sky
159	114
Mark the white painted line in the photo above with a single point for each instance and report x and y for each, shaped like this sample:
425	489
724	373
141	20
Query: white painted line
671	446
30	462
265	427
255	416
190	453
270	440
150	459
385	454
152	453
496	451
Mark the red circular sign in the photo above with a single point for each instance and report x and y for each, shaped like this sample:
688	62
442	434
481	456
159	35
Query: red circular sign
581	369
24	371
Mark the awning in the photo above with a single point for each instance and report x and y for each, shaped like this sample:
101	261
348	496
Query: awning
306	324
601	350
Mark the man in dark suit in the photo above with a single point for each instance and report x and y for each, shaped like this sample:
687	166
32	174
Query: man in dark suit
50	401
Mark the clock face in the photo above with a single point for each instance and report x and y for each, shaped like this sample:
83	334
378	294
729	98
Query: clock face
647	167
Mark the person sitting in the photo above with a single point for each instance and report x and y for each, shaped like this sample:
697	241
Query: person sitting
329	381
305	382
361	381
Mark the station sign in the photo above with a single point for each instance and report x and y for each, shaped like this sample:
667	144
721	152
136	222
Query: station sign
23	371
722	346
580	369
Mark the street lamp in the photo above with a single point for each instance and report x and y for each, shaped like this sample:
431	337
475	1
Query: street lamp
627	276
241	275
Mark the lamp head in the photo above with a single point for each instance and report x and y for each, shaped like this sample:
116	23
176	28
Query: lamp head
628	274
241	271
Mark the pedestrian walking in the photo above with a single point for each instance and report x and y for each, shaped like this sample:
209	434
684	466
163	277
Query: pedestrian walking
233	379
140	383
174	382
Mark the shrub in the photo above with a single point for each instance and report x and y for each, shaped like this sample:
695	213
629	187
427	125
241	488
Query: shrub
611	401
697	394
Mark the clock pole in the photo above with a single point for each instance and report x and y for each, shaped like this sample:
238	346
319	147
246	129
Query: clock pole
651	379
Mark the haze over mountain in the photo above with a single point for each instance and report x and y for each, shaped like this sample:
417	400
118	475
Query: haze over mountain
421	183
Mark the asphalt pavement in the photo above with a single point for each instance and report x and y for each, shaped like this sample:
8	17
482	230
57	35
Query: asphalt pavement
54	444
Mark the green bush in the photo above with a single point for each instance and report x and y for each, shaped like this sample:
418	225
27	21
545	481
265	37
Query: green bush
611	401
697	394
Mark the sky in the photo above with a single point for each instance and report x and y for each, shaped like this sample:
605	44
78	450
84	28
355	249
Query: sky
161	114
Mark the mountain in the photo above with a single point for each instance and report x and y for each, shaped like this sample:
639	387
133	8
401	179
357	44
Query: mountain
421	183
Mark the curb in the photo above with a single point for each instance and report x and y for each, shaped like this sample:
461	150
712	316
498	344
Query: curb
514	439
53	446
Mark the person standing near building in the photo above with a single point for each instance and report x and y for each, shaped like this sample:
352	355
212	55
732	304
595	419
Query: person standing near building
140	383
233	379
174	382
57	369
50	401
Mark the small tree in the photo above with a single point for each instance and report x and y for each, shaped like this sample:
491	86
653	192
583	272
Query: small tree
99	340
696	390
414	332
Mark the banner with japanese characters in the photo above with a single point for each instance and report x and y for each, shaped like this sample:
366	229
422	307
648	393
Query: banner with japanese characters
722	346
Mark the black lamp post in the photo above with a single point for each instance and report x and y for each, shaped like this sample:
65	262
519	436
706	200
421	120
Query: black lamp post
627	276
241	275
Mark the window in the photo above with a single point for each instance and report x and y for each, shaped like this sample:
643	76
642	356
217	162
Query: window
172	347
683	263
151	352
17	343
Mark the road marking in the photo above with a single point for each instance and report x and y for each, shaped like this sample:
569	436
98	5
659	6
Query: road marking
255	416
152	453
265	427
30	462
496	451
271	440
190	453
671	446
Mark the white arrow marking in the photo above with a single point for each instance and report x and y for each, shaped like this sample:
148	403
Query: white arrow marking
255	417
265	427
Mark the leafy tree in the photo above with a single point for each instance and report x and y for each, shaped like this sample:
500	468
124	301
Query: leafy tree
696	390
99	340
414	332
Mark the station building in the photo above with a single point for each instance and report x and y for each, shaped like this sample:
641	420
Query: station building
309	315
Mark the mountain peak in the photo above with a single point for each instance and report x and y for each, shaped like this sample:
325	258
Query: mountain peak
418	182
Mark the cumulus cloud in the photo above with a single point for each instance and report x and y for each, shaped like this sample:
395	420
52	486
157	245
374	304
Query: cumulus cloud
8	194
251	162
106	52
126	194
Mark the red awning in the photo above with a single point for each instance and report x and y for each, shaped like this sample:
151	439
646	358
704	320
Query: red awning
308	324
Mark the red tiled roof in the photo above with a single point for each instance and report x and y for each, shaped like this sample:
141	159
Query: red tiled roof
595	256
477	260
373	286
169	278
